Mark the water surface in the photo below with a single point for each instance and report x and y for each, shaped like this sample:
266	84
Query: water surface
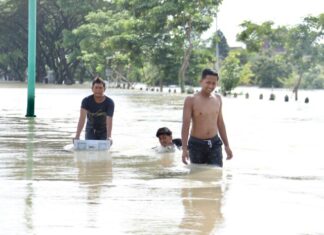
274	184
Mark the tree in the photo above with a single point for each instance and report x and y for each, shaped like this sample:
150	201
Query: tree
246	74
161	33
110	38
222	44
299	47
303	45
263	38
13	39
230	73
192	18
313	79
270	72
54	17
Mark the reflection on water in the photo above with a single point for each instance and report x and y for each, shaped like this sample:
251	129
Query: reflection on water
30	148
276	173
28	212
29	176
94	172
202	204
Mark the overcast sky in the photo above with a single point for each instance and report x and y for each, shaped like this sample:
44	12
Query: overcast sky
281	12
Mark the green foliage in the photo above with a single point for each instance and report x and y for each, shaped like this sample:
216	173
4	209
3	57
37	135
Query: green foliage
160	33
108	39
222	44
201	58
270	72
313	79
13	39
230	73
280	54
246	75
262	38
303	45
157	42
54	17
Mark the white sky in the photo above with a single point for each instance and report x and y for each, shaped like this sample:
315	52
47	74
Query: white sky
281	12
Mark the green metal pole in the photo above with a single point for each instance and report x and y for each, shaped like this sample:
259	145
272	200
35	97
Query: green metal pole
32	4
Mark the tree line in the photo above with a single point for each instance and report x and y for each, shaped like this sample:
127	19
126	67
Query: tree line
157	42
278	56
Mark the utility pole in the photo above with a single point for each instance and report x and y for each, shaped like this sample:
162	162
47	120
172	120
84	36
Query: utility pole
32	9
217	48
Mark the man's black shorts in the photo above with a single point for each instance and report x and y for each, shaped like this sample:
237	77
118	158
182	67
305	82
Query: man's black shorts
207	151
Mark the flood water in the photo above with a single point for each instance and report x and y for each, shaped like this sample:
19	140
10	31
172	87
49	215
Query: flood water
273	185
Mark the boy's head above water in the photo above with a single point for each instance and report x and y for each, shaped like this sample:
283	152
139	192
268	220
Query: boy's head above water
165	136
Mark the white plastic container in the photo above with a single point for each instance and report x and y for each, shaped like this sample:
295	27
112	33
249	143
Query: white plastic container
91	145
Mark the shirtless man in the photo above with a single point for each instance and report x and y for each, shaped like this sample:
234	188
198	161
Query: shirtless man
205	111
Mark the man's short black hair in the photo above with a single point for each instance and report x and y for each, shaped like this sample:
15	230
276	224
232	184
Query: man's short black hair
163	131
98	80
206	72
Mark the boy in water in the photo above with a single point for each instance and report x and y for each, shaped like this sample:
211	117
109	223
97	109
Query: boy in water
99	111
204	109
165	138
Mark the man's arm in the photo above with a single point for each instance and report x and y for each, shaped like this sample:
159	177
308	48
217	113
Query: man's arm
186	118
82	118
109	121
222	132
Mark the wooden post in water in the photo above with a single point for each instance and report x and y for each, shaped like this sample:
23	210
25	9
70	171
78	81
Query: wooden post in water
32	4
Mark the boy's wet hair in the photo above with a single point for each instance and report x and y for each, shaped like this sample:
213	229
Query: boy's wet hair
163	131
206	72
98	80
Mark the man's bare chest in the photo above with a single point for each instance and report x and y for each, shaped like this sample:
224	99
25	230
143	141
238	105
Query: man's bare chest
210	108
